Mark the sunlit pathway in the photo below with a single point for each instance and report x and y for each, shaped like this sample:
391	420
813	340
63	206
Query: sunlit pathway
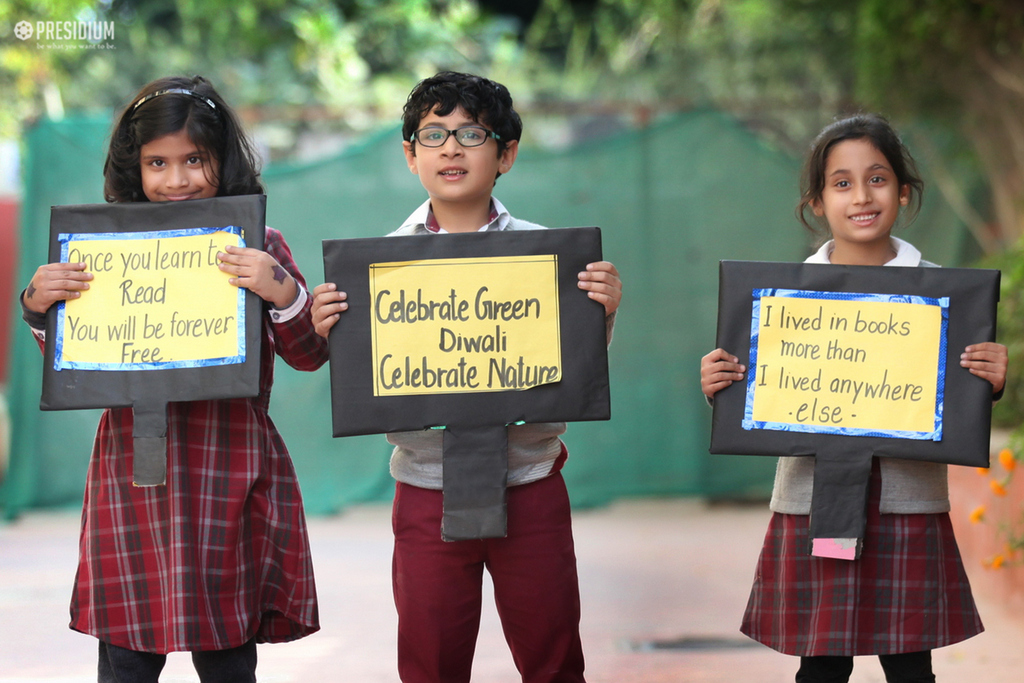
664	584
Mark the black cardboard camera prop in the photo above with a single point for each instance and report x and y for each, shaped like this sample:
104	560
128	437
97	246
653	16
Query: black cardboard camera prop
160	322
849	362
469	333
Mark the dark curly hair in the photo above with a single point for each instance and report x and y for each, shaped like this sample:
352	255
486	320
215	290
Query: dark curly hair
214	129
879	132
487	102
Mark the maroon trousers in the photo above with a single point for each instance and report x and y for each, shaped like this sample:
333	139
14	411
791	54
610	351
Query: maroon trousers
438	587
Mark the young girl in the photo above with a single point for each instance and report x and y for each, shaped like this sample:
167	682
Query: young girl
908	592
218	558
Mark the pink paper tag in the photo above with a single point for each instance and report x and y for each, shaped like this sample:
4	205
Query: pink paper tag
836	548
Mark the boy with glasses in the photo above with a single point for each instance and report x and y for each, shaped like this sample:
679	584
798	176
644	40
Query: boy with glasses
460	133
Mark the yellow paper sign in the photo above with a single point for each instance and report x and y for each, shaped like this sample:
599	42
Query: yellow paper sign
446	326
863	364
157	300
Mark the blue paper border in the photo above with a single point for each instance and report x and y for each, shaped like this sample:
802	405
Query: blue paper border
58	356
750	423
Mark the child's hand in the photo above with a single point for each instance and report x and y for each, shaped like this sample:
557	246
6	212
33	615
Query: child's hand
328	305
55	282
718	370
601	280
260	273
988	361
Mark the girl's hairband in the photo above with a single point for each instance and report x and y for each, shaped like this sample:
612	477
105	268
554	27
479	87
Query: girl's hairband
174	91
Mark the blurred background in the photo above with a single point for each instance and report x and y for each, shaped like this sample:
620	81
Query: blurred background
677	126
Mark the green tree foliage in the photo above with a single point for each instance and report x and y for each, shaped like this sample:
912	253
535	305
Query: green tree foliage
789	66
279	55
774	63
1009	412
959	63
31	78
786	67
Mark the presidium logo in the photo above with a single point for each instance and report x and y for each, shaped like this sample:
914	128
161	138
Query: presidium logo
70	33
23	30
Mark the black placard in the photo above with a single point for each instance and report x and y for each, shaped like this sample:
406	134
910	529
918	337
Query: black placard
581	394
973	295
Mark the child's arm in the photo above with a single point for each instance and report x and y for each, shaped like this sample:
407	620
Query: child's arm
328	305
602	284
260	273
55	282
987	360
718	370
601	280
52	282
274	276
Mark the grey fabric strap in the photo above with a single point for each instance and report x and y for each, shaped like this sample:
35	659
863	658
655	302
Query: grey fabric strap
475	474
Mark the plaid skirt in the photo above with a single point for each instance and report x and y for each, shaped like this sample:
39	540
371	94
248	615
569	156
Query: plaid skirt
907	592
216	557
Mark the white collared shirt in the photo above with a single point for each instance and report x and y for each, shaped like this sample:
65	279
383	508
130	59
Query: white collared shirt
907	254
416	223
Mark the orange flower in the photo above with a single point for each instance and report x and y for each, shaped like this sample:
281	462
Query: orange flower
998	561
982	471
978	514
1007	459
997	488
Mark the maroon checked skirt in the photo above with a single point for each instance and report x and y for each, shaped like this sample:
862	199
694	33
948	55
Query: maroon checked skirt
907	592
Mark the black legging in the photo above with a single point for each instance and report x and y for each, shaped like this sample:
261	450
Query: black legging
120	665
908	667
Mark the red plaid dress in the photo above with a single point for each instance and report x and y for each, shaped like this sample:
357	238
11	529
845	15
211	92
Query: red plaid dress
908	591
220	554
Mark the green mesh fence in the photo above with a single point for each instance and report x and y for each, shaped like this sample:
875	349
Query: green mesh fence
672	200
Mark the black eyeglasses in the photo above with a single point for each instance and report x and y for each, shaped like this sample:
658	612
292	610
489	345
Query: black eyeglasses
468	136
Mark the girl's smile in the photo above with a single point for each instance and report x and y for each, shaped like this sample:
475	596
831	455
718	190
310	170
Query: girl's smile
175	169
864	219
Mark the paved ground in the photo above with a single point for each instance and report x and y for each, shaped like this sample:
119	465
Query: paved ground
653	572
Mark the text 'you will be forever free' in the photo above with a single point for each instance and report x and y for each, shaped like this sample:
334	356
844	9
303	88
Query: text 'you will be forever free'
156	300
